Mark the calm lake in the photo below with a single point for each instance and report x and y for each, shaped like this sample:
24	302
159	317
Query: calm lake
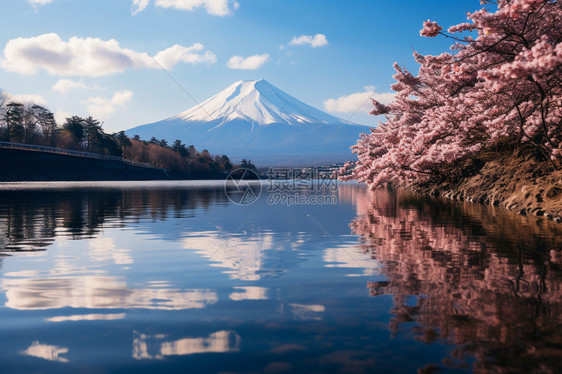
176	277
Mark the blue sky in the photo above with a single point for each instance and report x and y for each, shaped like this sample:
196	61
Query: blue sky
93	57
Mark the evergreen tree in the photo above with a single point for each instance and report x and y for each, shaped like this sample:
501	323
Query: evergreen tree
14	122
93	134
75	126
30	123
123	139
180	148
109	144
46	120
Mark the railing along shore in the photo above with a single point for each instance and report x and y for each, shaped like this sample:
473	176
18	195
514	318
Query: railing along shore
61	151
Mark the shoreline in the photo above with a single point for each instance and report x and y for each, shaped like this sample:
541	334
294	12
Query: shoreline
518	183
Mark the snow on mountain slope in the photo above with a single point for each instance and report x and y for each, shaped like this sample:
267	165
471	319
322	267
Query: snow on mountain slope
257	121
258	102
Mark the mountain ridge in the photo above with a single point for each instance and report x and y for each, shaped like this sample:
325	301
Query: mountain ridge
256	120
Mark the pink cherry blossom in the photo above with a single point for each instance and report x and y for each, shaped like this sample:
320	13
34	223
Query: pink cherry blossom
501	84
430	29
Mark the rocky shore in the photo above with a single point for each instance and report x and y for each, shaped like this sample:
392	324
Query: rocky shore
520	182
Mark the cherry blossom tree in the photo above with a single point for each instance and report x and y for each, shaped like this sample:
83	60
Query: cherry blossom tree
501	83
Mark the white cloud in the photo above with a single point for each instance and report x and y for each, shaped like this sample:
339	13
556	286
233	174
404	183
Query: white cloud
318	40
90	57
26	99
101	107
249	293
39	2
46	352
105	249
87	317
64	85
214	7
60	116
358	101
138	6
170	57
249	63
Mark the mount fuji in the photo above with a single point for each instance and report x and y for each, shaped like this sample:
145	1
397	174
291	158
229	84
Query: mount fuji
259	122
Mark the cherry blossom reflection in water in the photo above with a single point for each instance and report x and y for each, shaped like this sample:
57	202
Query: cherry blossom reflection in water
484	280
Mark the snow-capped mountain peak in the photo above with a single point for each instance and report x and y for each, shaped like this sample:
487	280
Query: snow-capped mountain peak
258	102
259	122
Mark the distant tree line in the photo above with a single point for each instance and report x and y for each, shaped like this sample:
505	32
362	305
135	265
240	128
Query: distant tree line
36	125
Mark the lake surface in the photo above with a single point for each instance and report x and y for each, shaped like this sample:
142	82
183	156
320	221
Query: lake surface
175	277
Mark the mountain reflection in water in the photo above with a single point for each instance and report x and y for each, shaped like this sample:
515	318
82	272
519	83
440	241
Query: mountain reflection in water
163	277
